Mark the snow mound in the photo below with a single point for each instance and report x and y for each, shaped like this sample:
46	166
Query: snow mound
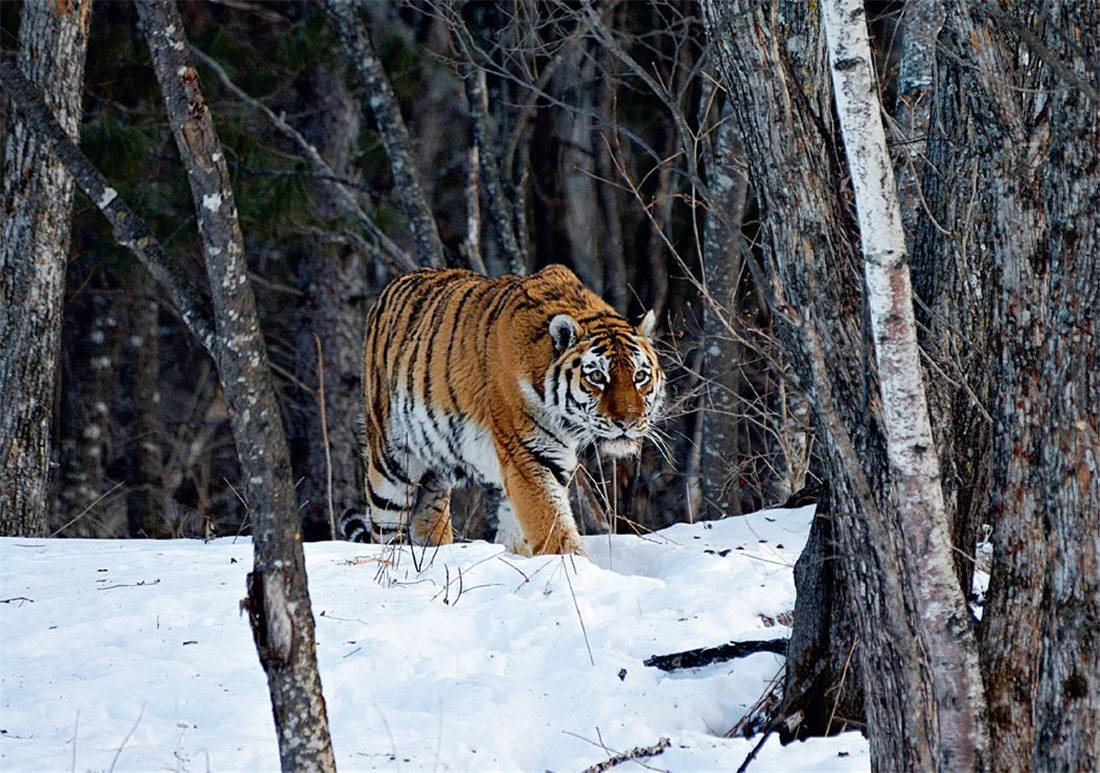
464	657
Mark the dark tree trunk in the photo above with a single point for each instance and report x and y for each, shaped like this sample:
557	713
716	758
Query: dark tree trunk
334	285
278	600
88	414
824	679
146	502
1015	284
576	83
37	204
391	125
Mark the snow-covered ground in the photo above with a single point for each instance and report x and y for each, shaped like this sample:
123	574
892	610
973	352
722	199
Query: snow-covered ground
131	655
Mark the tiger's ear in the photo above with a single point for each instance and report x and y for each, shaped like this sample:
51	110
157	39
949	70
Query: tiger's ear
563	332
648	324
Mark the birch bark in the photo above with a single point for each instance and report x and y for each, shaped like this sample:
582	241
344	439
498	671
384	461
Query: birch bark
914	466
37	204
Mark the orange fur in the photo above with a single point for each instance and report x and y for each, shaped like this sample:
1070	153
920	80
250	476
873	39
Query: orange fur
464	381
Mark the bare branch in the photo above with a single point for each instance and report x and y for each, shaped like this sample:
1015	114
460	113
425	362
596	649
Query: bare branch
131	231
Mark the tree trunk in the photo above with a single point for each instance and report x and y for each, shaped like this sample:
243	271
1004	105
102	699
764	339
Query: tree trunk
782	106
721	448
391	125
278	599
941	613
37	201
577	165
1017	131
146	505
88	415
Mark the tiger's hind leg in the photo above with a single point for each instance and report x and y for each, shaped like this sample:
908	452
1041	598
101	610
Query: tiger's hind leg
431	519
392	490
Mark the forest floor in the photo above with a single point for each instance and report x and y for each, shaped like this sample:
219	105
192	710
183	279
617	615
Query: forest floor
131	655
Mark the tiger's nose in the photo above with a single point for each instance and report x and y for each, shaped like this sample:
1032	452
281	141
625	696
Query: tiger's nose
627	422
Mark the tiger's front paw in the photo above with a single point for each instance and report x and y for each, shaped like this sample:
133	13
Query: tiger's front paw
562	542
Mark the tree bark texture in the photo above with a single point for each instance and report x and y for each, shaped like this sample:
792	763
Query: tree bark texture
1013	141
576	82
391	125
37	200
773	64
487	153
914	465
722	245
333	281
278	600
951	323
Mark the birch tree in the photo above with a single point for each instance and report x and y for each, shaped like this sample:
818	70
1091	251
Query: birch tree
37	202
914	465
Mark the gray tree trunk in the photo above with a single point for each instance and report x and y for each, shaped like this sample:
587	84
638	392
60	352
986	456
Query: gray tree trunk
941	616
87	420
782	106
391	125
1014	143
37	203
146	500
577	164
278	599
723	355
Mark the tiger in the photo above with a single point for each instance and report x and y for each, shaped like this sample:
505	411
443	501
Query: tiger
496	381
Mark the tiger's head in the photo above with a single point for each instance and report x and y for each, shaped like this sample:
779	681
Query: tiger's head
605	384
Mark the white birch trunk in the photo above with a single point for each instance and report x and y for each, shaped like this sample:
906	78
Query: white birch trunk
914	467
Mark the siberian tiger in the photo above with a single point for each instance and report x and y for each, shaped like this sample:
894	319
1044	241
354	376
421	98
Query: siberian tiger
496	381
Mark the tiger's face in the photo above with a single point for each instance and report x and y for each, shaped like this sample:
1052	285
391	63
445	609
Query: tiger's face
606	385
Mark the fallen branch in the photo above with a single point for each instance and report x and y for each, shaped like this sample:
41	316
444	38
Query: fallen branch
637	752
704	656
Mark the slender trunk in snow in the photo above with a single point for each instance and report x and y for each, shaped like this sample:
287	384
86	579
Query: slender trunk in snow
146	501
278	599
914	466
34	244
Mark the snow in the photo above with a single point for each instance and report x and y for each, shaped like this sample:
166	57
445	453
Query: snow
136	650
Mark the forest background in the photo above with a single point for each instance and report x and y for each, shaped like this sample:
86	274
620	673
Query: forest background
689	158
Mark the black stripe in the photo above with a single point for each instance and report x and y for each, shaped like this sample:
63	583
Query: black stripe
382	503
459	307
560	474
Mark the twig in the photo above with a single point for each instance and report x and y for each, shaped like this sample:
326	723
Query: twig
576	606
706	655
138	584
84	512
324	435
755	750
633	754
125	740
840	686
76	727
16	598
